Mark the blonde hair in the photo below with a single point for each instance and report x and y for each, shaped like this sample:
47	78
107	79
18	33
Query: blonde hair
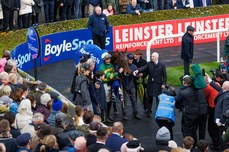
50	141
64	106
78	113
5	90
178	149
79	66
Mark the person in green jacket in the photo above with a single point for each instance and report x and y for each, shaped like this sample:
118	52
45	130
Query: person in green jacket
110	73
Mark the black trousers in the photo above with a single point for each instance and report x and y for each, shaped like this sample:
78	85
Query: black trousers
201	125
8	19
186	67
26	20
109	104
35	18
150	103
131	95
168	124
189	125
213	129
99	41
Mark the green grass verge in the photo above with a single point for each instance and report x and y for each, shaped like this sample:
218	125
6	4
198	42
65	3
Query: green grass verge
174	73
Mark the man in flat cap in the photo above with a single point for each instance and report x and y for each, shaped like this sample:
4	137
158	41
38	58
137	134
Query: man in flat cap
187	48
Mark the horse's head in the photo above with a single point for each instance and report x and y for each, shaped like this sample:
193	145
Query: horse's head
120	59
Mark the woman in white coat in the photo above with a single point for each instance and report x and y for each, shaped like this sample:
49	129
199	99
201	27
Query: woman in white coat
24	115
26	12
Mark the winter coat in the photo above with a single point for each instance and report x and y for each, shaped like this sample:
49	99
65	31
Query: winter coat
172	5
8	4
101	95
22	121
222	105
131	10
157	77
9	142
37	96
26	7
36	6
2	62
82	89
29	128
1	11
181	5
93	97
98	24
51	118
62	138
14	132
226	49
186	100
141	63
187	47
94	2
159	146
48	149
13	107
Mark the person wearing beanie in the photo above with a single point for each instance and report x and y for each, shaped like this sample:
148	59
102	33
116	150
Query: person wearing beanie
162	141
24	142
56	107
187	48
43	107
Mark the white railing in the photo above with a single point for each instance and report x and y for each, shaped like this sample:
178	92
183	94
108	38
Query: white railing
180	35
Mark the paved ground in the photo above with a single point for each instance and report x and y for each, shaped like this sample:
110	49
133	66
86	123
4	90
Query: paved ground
59	75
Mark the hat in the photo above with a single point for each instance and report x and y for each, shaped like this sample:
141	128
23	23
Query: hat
138	52
60	116
23	139
86	66
187	79
133	145
190	28
84	57
42	86
56	104
46	130
93	126
106	56
74	134
5	100
130	56
163	134
53	94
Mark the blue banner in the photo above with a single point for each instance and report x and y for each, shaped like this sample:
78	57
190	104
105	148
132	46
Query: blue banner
57	47
62	46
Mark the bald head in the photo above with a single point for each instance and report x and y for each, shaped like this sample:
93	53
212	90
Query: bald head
80	143
98	10
225	86
117	127
155	56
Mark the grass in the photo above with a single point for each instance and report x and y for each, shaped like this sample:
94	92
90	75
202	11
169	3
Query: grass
174	73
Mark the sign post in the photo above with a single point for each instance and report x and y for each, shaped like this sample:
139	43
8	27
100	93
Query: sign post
33	40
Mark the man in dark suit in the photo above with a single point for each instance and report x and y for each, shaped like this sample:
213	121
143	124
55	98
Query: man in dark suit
101	139
156	81
187	49
115	141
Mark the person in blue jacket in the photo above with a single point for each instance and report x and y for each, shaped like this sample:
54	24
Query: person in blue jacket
99	26
165	111
134	8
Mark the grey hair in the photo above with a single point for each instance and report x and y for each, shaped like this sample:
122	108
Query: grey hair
11	62
3	76
45	98
91	61
38	117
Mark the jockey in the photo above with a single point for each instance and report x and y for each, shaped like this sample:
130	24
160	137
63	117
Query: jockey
110	73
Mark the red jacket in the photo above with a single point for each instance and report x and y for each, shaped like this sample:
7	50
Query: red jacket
210	94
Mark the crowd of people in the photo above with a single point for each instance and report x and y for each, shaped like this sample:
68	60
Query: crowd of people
28	11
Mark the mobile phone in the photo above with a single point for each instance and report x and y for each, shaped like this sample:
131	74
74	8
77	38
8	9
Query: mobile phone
203	71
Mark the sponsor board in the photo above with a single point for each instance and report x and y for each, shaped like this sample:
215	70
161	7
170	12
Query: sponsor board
62	46
137	36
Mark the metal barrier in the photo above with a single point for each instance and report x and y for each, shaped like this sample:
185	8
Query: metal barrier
180	35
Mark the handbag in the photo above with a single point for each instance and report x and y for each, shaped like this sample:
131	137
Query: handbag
41	4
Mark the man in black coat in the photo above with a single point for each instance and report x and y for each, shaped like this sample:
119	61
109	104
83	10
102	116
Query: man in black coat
140	62
156	81
187	49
